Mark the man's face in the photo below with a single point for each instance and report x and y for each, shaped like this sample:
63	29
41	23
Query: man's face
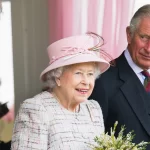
139	44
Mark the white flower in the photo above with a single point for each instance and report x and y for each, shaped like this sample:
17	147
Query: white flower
122	142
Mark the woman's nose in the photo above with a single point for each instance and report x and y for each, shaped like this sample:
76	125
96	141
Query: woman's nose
85	80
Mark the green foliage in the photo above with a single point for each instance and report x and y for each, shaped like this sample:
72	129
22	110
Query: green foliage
122	142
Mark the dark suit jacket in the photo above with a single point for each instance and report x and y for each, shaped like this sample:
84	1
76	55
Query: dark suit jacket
123	98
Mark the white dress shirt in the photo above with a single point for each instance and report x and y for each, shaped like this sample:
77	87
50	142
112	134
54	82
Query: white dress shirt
134	67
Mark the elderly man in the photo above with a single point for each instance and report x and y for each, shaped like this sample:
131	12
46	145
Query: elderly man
123	91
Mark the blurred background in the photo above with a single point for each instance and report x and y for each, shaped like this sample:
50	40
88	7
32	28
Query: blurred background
27	27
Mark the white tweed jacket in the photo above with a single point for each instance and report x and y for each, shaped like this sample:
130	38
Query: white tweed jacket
43	124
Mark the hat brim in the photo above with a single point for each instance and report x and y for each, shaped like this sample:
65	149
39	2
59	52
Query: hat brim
103	65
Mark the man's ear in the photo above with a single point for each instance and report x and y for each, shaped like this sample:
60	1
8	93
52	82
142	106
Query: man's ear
128	34
57	81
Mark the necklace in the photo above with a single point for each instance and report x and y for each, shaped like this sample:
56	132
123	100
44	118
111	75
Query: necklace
76	110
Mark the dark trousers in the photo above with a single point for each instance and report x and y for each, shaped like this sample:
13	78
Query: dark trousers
5	146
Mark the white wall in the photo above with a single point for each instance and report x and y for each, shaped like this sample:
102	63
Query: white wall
30	40
6	59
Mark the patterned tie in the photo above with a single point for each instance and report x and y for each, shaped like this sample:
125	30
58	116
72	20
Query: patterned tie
147	80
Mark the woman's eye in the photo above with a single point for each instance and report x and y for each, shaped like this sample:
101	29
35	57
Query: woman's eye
91	74
78	73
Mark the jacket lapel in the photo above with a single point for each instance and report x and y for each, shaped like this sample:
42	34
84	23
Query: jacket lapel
133	92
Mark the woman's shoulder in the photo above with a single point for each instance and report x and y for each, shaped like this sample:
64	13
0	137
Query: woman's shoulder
38	100
94	109
39	97
93	103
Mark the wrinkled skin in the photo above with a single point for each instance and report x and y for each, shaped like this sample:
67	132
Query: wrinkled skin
139	44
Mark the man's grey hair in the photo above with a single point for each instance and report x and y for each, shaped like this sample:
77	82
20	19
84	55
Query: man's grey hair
52	75
141	13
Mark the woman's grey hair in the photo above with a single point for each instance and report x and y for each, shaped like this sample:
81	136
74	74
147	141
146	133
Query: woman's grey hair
50	76
141	13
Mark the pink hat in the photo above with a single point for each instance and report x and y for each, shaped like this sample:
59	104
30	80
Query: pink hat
73	50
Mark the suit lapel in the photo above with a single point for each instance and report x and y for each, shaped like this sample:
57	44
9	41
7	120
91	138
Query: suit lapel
133	92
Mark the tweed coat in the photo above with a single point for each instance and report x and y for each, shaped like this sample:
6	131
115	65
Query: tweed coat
42	124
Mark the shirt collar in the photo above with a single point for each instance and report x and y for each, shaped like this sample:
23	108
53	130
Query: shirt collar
134	67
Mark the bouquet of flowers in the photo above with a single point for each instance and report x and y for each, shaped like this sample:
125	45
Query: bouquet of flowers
122	142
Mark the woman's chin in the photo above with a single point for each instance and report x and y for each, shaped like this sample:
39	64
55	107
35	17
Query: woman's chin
82	99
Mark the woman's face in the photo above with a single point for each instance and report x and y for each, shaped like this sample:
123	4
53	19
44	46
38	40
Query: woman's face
76	83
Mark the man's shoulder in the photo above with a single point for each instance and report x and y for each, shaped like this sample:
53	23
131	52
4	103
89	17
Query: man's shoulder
111	73
113	70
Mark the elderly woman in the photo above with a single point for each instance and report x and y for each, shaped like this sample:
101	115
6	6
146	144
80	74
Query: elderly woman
62	118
